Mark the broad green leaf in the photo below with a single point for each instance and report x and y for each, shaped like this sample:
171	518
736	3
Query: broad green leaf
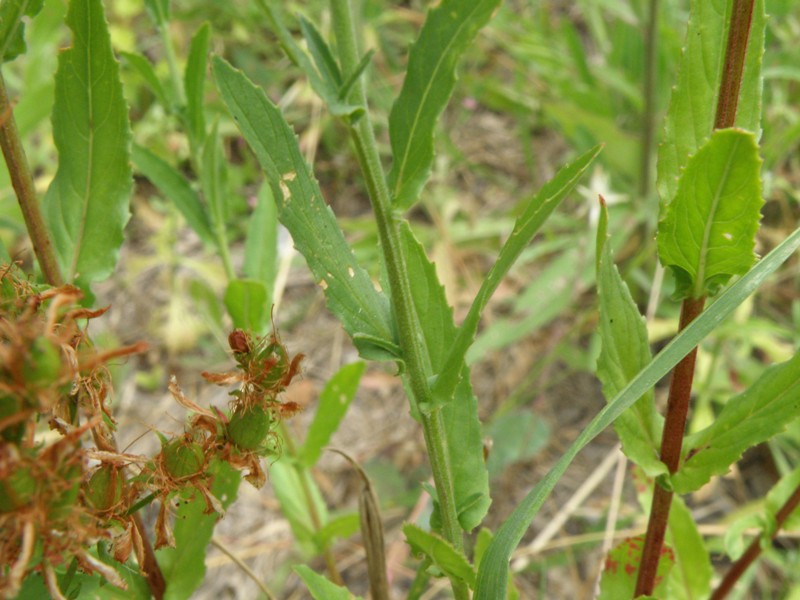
350	293
749	418
459	412
449	560
342	526
285	479
184	565
86	206
176	189
516	435
449	29
12	28
690	119
247	304
321	588
494	566
261	244
145	69
535	214
622	566
194	82
625	352
708	232
333	404
327	80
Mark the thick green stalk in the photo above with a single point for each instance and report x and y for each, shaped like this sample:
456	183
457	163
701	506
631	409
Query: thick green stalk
680	390
21	179
409	329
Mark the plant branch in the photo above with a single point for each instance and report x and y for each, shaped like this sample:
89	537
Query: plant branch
680	390
22	180
754	549
409	329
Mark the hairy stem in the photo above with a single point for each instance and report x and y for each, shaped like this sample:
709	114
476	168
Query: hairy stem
754	549
409	329
22	180
681	385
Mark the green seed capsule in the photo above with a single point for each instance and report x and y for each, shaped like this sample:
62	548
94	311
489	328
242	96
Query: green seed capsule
183	458
248	429
104	489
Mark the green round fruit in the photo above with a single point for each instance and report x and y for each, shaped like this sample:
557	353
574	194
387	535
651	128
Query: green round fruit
248	429
104	489
183	458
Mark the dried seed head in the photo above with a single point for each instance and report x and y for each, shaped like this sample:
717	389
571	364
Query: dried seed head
239	342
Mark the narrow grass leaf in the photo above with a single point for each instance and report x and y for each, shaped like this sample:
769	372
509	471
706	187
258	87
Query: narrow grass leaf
322	55
349	290
261	244
12	27
622	565
708	232
86	206
540	207
690	119
176	189
334	401
321	588
194	84
752	417
184	565
247	303
460	411
625	352
448	31
451	562
494	566
289	488
146	71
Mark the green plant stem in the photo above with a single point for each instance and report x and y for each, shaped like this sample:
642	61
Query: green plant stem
680	390
316	522
649	112
754	549
172	63
408	326
22	180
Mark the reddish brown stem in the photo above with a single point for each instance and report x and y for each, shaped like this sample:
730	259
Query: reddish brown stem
680	391
681	385
21	179
754	549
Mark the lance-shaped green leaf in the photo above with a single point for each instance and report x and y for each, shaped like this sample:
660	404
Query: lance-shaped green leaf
247	303
492	573
350	293
334	401
194	81
690	119
86	206
708	232
460	411
12	28
440	552
320	588
323	72
625	352
146	71
176	189
448	31
261	244
536	212
749	418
